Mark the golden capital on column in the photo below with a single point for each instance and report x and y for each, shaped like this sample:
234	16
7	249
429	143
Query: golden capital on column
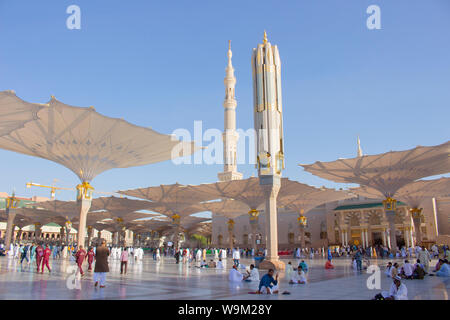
416	212
390	204
253	213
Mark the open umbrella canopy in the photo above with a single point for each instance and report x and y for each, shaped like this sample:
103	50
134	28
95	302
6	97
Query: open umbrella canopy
305	202
41	216
170	193
249	191
386	172
413	194
14	112
87	142
65	208
118	205
174	200
228	208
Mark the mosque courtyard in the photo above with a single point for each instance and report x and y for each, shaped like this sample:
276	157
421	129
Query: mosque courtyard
165	280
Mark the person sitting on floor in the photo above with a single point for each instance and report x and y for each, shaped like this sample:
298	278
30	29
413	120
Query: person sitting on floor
407	270
268	283
298	277
419	271
304	266
211	264
387	272
204	264
394	270
235	275
329	265
288	270
398	291
253	275
444	270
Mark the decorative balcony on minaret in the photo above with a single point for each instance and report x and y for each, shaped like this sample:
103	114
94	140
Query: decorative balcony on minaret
230	136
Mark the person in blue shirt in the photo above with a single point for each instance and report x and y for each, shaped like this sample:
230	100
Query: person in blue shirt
304	266
444	270
268	284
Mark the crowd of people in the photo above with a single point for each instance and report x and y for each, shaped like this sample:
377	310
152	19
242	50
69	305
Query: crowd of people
101	255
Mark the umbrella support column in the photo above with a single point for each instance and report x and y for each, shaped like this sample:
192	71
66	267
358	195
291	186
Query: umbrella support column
271	186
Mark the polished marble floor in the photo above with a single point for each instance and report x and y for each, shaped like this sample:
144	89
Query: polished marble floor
166	280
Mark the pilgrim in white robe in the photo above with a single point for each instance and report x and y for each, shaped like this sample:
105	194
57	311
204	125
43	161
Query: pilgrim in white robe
235	275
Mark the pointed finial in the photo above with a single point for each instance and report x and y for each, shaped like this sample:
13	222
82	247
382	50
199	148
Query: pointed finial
265	37
229	44
360	154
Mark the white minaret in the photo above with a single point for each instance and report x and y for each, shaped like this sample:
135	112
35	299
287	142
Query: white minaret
230	136
359	152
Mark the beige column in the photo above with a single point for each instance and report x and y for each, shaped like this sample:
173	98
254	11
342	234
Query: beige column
19	234
230	233
61	235
383	233
85	205
271	187
254	227
11	213
254	220
417	227
37	232
392	236
302	236
406	236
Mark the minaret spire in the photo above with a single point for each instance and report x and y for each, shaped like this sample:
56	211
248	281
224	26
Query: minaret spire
360	153
230	136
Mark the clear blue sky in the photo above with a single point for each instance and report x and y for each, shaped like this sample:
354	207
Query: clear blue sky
161	64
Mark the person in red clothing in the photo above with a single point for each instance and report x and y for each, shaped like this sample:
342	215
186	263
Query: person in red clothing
39	255
80	256
46	258
90	258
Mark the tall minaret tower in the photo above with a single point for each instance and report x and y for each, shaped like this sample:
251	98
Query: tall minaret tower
230	136
268	119
360	153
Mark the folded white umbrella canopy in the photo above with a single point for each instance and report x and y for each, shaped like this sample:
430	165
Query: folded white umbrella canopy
88	142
